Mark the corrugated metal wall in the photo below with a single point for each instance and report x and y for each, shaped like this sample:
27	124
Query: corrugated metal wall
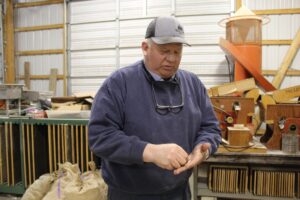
40	40
1	46
280	27
106	35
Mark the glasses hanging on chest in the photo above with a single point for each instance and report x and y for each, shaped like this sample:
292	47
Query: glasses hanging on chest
167	96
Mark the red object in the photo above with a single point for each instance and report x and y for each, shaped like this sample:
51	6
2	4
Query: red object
246	63
253	52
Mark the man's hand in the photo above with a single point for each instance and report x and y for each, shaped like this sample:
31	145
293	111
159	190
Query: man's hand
200	153
166	156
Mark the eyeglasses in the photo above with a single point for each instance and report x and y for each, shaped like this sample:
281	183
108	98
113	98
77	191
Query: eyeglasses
165	109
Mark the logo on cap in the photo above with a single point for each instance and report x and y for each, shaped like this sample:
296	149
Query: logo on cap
179	29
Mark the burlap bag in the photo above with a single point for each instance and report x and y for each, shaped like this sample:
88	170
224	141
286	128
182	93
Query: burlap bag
70	184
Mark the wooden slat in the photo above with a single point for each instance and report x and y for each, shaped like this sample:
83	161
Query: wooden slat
53	80
24	155
12	155
38	3
286	94
7	153
50	148
87	148
290	72
38	77
28	154
39	28
276	42
77	144
9	49
27	75
72	144
236	86
66	143
61	135
39	52
58	145
1	159
54	147
287	60
81	148
32	151
277	11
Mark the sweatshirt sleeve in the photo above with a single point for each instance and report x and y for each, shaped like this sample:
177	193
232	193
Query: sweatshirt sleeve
106	138
210	131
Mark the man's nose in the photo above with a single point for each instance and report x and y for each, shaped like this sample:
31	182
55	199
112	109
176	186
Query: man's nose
171	57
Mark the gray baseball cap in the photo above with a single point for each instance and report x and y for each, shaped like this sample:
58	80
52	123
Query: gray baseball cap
165	30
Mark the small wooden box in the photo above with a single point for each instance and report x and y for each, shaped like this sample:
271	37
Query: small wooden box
239	136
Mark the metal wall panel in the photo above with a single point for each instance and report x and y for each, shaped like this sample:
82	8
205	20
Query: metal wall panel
129	56
43	86
202	7
93	63
280	27
271	4
119	39
86	84
39	40
157	7
93	36
132	32
203	29
93	11
41	64
37	16
273	56
132	8
199	60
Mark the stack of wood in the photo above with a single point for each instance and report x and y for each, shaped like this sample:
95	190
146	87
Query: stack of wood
243	103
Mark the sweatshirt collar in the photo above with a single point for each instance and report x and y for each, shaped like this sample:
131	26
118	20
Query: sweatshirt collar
155	76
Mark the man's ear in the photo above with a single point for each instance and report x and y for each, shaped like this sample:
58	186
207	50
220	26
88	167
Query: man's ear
145	47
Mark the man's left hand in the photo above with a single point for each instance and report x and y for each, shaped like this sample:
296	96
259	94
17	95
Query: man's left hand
199	154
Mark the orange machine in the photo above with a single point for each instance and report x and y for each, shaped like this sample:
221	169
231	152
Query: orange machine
243	43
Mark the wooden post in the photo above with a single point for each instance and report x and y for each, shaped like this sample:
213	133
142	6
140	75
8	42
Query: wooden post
27	75
9	48
287	61
53	80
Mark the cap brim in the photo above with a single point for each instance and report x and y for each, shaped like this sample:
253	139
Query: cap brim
168	40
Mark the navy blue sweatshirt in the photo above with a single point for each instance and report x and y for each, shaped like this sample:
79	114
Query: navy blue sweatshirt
124	120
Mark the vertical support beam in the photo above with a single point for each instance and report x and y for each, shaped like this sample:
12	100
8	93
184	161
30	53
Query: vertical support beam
9	48
65	47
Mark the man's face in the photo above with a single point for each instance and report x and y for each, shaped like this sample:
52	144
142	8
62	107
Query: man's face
162	59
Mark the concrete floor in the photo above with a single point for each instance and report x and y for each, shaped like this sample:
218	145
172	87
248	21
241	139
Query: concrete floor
8	197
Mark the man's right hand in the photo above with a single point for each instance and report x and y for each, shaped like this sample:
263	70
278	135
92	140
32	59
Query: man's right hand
166	156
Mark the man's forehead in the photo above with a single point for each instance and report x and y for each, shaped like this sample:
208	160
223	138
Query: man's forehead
170	45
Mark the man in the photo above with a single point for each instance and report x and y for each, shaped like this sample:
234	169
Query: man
151	123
